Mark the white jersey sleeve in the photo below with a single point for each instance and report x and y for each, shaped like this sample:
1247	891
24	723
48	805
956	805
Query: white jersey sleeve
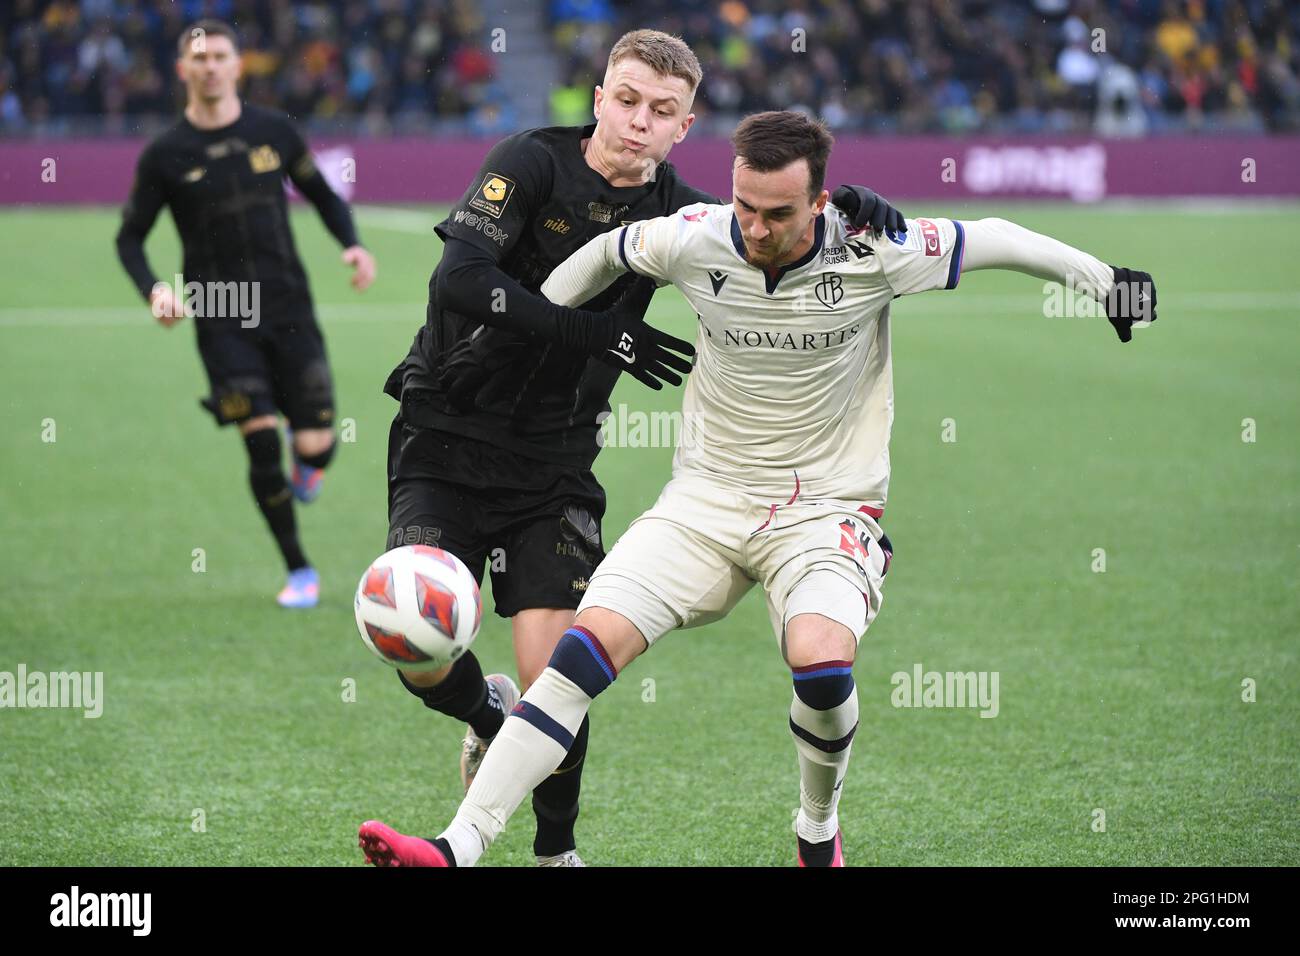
649	247
652	247
928	257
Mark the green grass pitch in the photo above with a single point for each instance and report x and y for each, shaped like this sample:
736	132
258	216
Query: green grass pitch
1120	691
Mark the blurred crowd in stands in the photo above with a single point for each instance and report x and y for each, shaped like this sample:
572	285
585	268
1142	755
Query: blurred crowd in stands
1115	67
1119	67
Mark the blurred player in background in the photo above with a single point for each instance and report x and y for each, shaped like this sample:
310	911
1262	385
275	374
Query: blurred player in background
491	451
781	474
221	170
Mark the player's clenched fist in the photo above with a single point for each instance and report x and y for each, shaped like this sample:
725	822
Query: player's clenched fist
1132	299
166	308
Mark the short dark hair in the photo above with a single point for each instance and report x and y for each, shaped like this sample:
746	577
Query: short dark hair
205	28
773	140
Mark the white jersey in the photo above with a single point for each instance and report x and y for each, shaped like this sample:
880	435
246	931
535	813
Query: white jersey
793	373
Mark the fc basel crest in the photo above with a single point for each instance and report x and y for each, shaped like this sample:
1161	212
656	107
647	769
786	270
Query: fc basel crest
829	289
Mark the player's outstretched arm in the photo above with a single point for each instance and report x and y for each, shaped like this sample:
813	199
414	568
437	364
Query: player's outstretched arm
471	283
1128	294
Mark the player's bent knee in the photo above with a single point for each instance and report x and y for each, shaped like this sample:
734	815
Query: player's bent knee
619	636
811	638
423	679
583	659
257	424
537	632
313	443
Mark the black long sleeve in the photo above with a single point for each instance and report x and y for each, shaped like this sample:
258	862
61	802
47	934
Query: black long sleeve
139	215
471	282
334	212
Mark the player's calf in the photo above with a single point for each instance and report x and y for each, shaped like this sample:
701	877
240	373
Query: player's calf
313	449
271	491
538	734
823	720
461	692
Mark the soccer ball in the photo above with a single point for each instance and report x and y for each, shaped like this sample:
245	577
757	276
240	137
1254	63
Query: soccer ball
418	608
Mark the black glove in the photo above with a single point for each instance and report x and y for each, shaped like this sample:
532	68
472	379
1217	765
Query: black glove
489	354
1132	299
620	337
864	208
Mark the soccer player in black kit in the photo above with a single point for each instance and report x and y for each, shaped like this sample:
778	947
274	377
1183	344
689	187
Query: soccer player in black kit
221	170
490	454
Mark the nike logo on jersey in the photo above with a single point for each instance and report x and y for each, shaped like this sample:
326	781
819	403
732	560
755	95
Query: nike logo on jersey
717	277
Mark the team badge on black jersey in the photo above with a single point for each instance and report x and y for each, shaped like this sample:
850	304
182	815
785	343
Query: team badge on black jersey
493	194
264	159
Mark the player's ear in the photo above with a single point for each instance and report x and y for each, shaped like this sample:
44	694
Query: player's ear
820	204
596	101
686	124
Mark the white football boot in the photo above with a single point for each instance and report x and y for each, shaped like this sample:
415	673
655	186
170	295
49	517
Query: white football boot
474	748
567	858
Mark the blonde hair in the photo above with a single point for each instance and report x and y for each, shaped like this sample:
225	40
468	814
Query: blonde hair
664	53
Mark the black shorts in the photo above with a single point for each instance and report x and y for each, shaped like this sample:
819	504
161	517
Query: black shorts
278	365
534	526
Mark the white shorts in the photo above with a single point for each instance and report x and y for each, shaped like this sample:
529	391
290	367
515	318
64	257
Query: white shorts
689	559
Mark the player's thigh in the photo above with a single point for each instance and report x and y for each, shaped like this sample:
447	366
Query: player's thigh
831	565
536	632
238	370
664	574
424	510
544	551
304	387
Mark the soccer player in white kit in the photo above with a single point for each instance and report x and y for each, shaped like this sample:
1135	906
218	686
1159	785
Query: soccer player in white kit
781	474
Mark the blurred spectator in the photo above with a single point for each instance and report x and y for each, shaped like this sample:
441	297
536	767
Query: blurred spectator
1116	67
975	65
324	63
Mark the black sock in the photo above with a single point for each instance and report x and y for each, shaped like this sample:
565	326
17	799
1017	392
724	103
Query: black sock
272	494
319	460
817	854
555	799
464	695
444	847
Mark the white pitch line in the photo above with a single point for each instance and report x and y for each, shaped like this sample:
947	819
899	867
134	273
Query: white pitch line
398	220
94	315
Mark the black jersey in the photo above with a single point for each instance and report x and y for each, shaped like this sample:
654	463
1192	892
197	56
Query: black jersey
226	191
534	202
